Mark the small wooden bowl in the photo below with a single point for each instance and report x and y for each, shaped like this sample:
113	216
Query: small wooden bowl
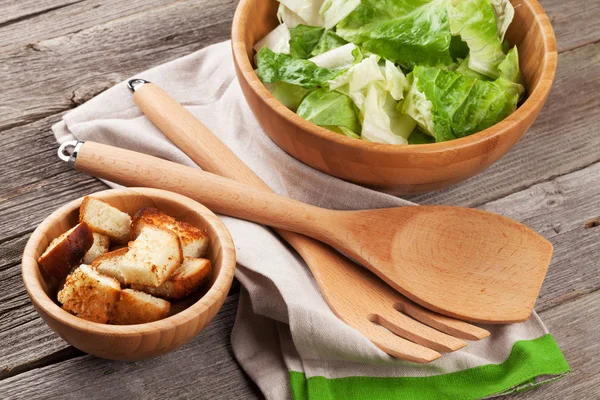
397	169
132	342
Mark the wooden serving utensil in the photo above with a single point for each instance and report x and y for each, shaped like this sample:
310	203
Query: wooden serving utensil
355	296
464	263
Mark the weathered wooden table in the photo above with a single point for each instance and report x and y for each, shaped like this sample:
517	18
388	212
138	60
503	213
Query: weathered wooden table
56	54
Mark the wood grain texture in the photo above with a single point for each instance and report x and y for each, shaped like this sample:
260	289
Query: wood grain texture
34	182
369	298
213	369
576	80
25	337
67	17
393	168
12	11
574	326
132	342
203	369
559	209
563	139
574	22
497	284
69	64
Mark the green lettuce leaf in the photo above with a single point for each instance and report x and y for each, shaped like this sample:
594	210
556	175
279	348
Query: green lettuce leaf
330	109
463	68
504	12
328	41
278	40
333	11
407	32
303	40
354	82
475	22
382	121
307	10
418	137
277	67
458	48
375	89
340	58
289	95
509	68
344	131
396	82
288	17
448	105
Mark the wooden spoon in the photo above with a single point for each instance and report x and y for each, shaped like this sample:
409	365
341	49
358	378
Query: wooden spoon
464	263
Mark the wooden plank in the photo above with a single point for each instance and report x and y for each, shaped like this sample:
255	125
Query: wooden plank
33	20
71	17
203	369
574	326
12	12
575	23
563	139
58	74
40	184
25	337
559	210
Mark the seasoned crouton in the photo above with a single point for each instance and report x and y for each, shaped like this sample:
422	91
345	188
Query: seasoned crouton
150	259
66	251
194	241
110	264
105	219
136	307
100	246
186	279
89	295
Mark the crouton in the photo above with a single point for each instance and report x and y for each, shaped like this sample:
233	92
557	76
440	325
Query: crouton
186	279
100	246
66	251
105	219
150	259
89	295
136	307
110	264
194	241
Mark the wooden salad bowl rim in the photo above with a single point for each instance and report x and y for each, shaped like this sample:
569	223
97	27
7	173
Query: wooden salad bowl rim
214	296
529	109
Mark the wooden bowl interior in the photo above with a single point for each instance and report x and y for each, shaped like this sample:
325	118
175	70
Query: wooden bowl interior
131	204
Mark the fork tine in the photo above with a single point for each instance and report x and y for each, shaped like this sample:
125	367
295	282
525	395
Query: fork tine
451	326
417	332
395	345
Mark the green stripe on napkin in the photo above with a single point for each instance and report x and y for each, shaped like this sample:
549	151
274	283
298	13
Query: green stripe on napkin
528	360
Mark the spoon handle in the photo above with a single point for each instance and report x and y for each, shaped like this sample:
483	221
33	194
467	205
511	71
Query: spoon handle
220	194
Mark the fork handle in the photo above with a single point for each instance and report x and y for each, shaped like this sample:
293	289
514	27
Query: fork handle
192	136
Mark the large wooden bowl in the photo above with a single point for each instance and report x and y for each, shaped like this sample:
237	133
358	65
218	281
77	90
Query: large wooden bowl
397	169
132	342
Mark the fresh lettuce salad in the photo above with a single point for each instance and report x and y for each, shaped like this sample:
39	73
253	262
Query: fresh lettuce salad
393	71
